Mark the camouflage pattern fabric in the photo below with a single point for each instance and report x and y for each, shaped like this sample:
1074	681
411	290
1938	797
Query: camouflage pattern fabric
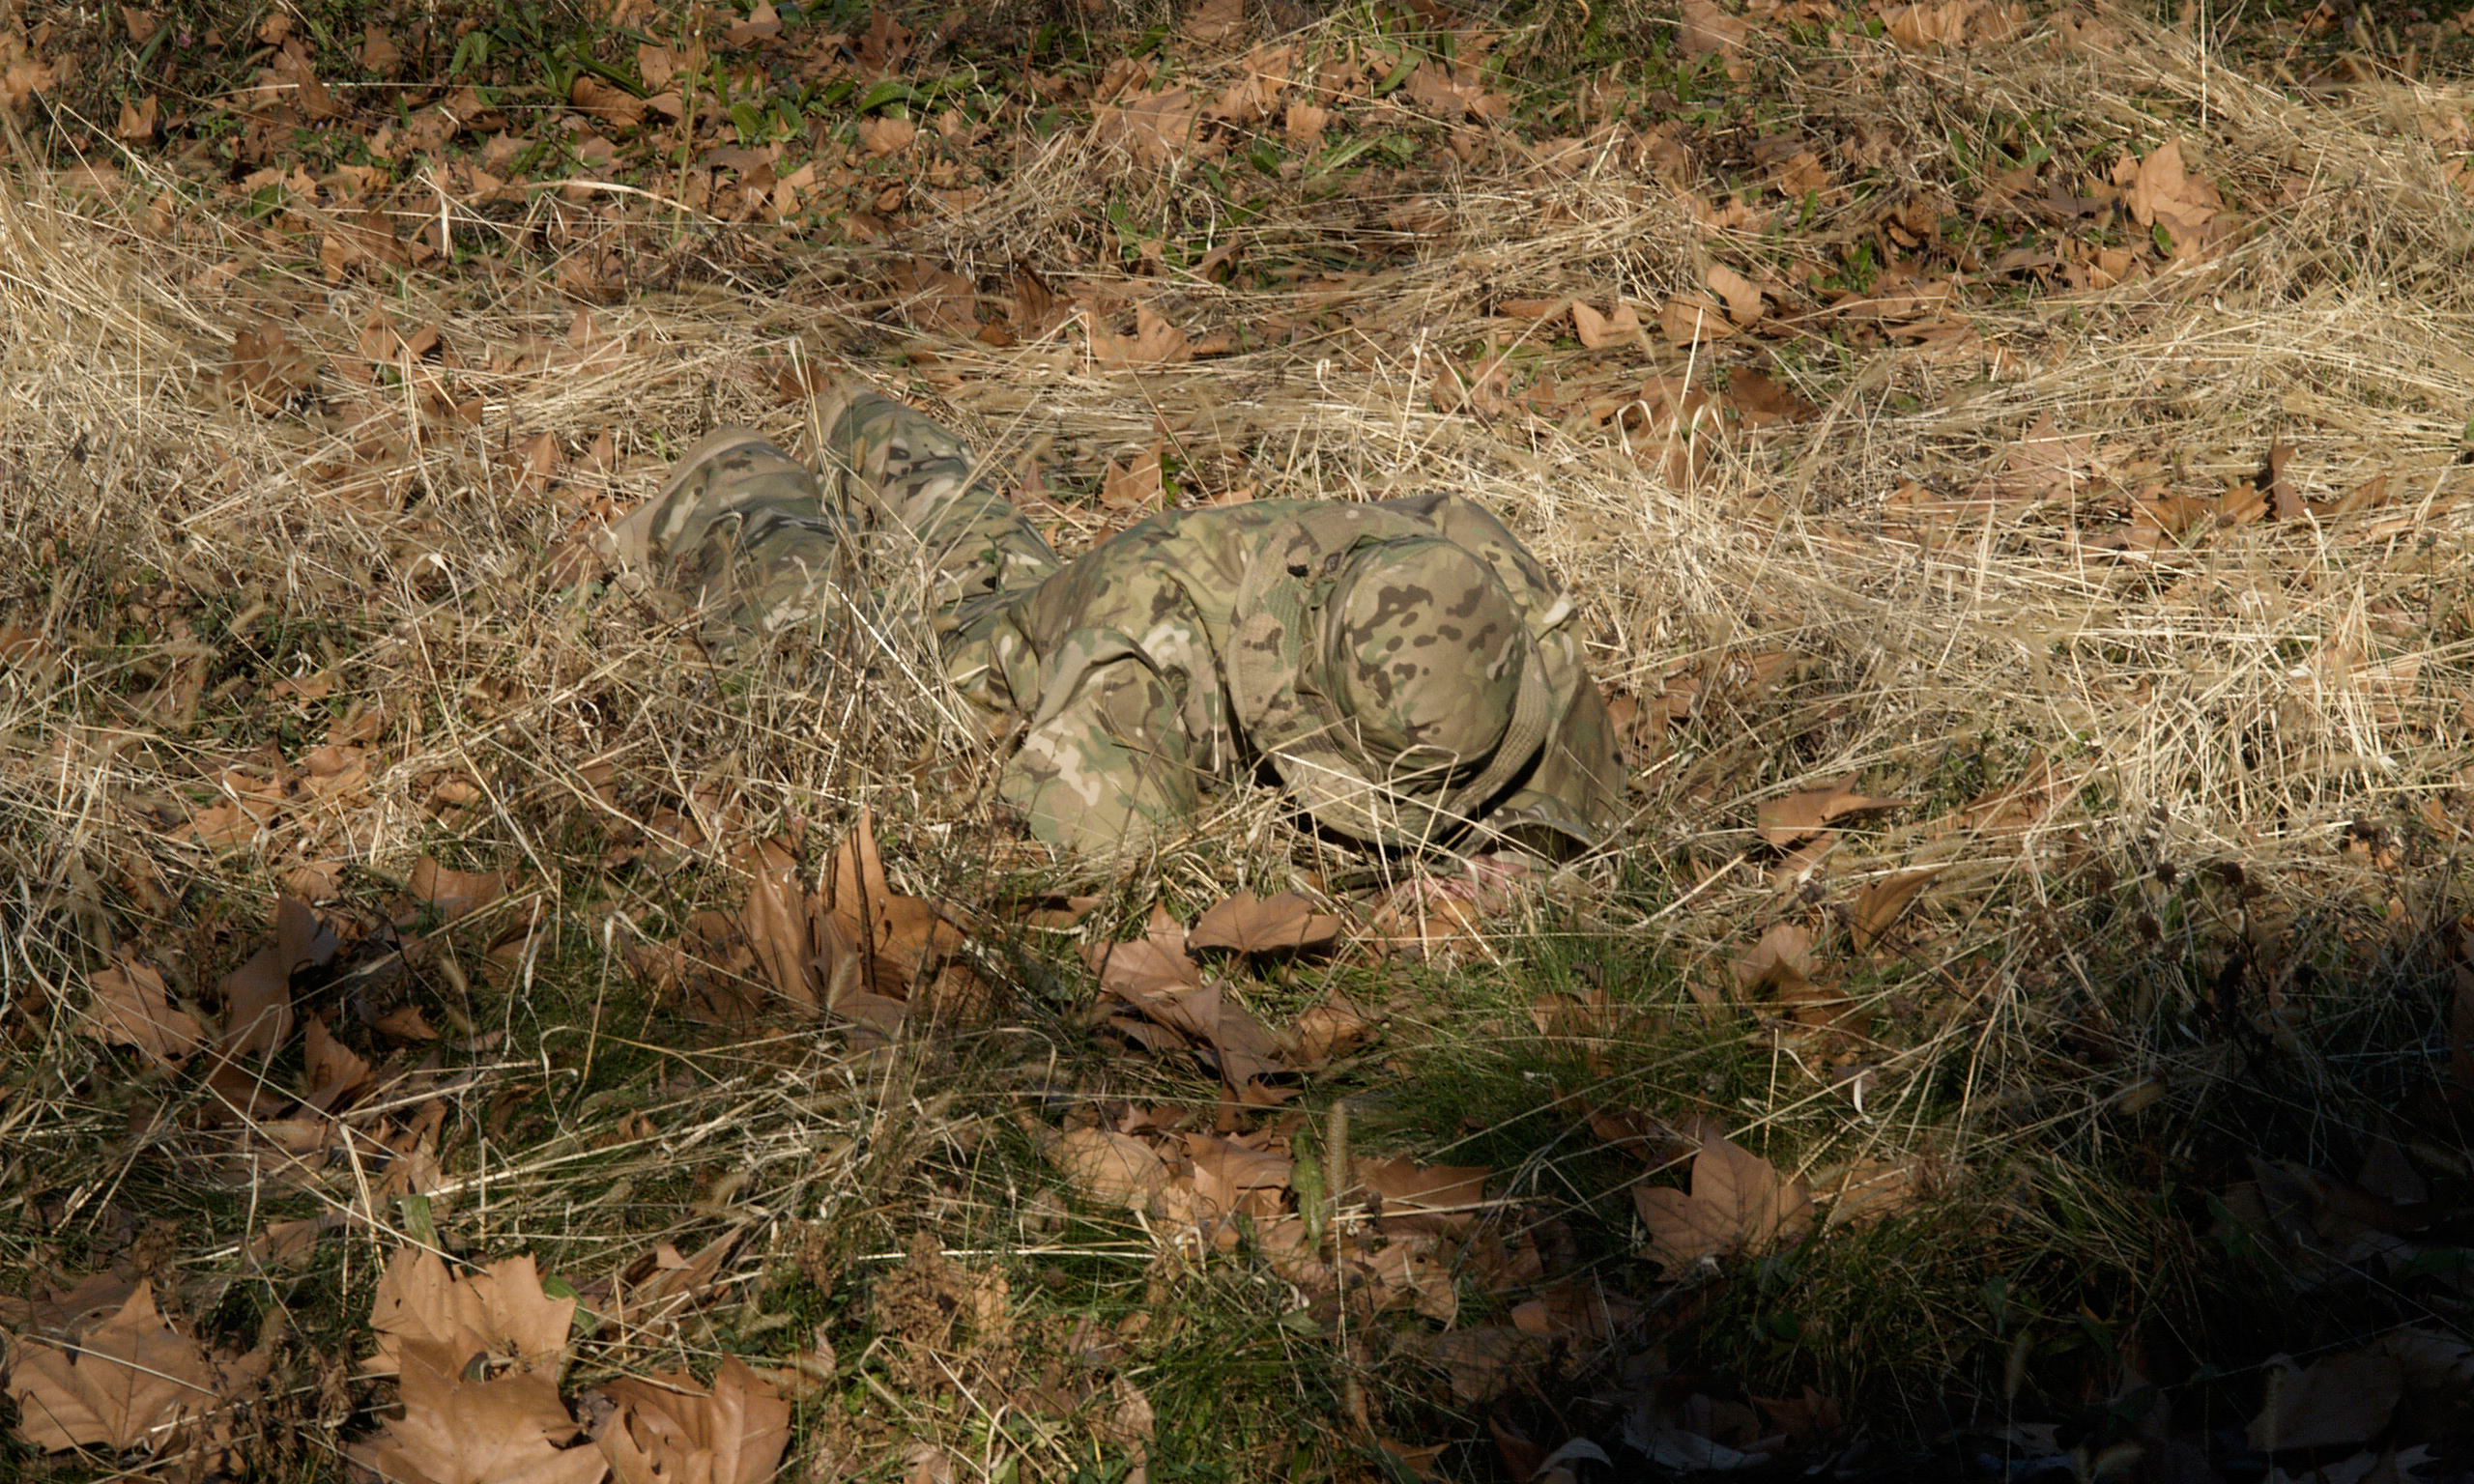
1406	668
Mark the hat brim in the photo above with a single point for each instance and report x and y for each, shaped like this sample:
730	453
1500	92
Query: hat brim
1306	736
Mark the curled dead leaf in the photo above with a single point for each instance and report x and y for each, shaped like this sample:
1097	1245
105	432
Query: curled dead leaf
1788	820
1881	905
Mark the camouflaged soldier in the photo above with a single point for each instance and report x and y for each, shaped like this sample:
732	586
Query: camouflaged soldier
1405	669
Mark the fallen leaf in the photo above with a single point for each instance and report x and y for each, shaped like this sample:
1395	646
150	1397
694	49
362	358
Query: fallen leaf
1149	964
2283	491
604	103
1738	1204
266	370
1214	23
1112	1169
1133	485
2160	192
287	1244
660	1286
1707	29
1785	821
1866	1190
1155	341
1333	1028
257	996
500	1311
1690	319
130	1382
1619	325
1882	903
887	135
506	1429
134	1007
1247	924
336	1071
1485	1362
1159	129
1781	964
456	893
1438	1198
139	120
2343	1399
70	1310
665	1429
534	462
380	56
1742	294
407	1023
1760	401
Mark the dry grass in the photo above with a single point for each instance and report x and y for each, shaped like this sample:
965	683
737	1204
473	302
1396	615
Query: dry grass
2287	698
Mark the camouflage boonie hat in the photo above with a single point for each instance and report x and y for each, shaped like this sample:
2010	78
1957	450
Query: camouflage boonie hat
1392	682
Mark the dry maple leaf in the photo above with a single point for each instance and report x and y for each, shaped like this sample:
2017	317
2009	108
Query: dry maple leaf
336	1074
257	996
1135	484
1619	325
132	1382
1249	924
68	1310
507	1428
1781	964
502	1312
2344	1399
1708	29
1155	963
665	1429
1868	1190
1483	1362
1881	905
455	893
1333	1028
267	371
134	1007
1739	1203
1742	294
904	943
1788	820
1440	1198
663	1284
1112	1169
1159	129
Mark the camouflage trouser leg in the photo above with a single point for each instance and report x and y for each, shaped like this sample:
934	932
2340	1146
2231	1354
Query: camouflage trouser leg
741	532
892	467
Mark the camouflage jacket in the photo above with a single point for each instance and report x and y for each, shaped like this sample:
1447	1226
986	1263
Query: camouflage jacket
1119	664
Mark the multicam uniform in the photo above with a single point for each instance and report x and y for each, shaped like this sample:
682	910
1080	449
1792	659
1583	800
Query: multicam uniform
1406	669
